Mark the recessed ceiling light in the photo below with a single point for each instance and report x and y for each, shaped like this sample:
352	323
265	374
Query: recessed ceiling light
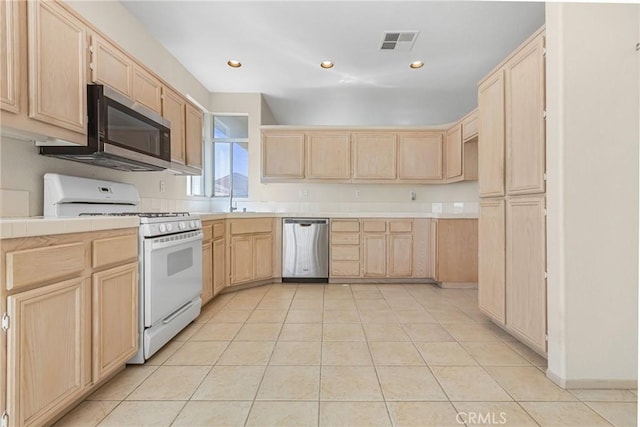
326	64
416	64
234	64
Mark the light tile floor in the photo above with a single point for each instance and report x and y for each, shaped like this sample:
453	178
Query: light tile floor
339	355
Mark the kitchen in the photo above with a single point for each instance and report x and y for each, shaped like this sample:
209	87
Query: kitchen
577	267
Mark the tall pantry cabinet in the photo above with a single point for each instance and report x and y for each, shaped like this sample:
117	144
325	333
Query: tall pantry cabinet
512	220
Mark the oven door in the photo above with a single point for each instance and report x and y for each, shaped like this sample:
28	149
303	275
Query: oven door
172	274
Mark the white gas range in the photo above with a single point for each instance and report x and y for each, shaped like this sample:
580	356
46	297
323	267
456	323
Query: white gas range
170	253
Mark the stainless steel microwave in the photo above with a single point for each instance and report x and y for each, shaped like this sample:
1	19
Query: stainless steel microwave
121	134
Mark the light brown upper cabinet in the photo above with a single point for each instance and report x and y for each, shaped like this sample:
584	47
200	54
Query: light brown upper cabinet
147	89
283	155
374	155
110	66
525	269
174	109
453	154
328	155
10	67
420	156
525	123
193	135
491	259
491	136
470	126
57	66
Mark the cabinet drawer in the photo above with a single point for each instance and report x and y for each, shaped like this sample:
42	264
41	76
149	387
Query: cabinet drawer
370	225
52	262
345	269
114	250
218	229
345	253
249	226
207	231
400	226
345	225
345	238
470	127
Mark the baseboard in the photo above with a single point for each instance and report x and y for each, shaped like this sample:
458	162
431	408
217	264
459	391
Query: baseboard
458	285
373	280
591	383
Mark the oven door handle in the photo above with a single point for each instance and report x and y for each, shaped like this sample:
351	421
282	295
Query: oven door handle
177	313
160	245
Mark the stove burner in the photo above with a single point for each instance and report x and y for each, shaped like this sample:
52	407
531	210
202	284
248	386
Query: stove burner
139	214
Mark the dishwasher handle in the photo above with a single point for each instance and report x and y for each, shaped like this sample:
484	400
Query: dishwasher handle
306	222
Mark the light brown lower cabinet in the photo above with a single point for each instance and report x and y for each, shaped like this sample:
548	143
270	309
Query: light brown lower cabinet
492	259
251	258
207	272
48	350
67	329
400	255
512	283
455	251
115	318
219	278
525	267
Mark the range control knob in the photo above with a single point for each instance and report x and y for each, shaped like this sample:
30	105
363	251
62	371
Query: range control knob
163	228
182	225
169	227
193	224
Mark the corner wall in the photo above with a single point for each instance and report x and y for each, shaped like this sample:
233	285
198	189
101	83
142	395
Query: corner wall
593	87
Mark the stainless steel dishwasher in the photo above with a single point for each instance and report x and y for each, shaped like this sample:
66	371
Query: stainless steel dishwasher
305	250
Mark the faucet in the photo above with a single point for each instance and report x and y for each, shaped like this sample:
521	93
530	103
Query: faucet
231	205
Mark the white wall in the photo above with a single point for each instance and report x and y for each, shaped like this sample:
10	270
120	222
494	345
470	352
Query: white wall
593	83
306	197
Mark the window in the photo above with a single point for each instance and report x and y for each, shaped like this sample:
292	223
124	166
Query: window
226	160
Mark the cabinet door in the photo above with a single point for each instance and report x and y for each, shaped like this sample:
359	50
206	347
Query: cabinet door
491	136
115	318
454	154
374	249
241	259
147	90
374	155
526	266
400	255
328	155
218	266
46	368
174	109
263	256
57	66
491	259
194	136
525	136
457	250
110	66
420	156
10	56
207	272
283	155
470	126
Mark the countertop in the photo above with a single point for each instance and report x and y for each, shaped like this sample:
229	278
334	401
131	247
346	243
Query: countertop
40	226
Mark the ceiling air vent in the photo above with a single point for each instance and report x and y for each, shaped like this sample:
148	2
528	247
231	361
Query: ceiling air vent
398	40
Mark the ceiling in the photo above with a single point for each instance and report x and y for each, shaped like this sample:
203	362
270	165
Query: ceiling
281	45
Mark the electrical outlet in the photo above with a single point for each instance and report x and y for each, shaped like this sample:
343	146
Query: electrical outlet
162	186
357	194
304	194
412	195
